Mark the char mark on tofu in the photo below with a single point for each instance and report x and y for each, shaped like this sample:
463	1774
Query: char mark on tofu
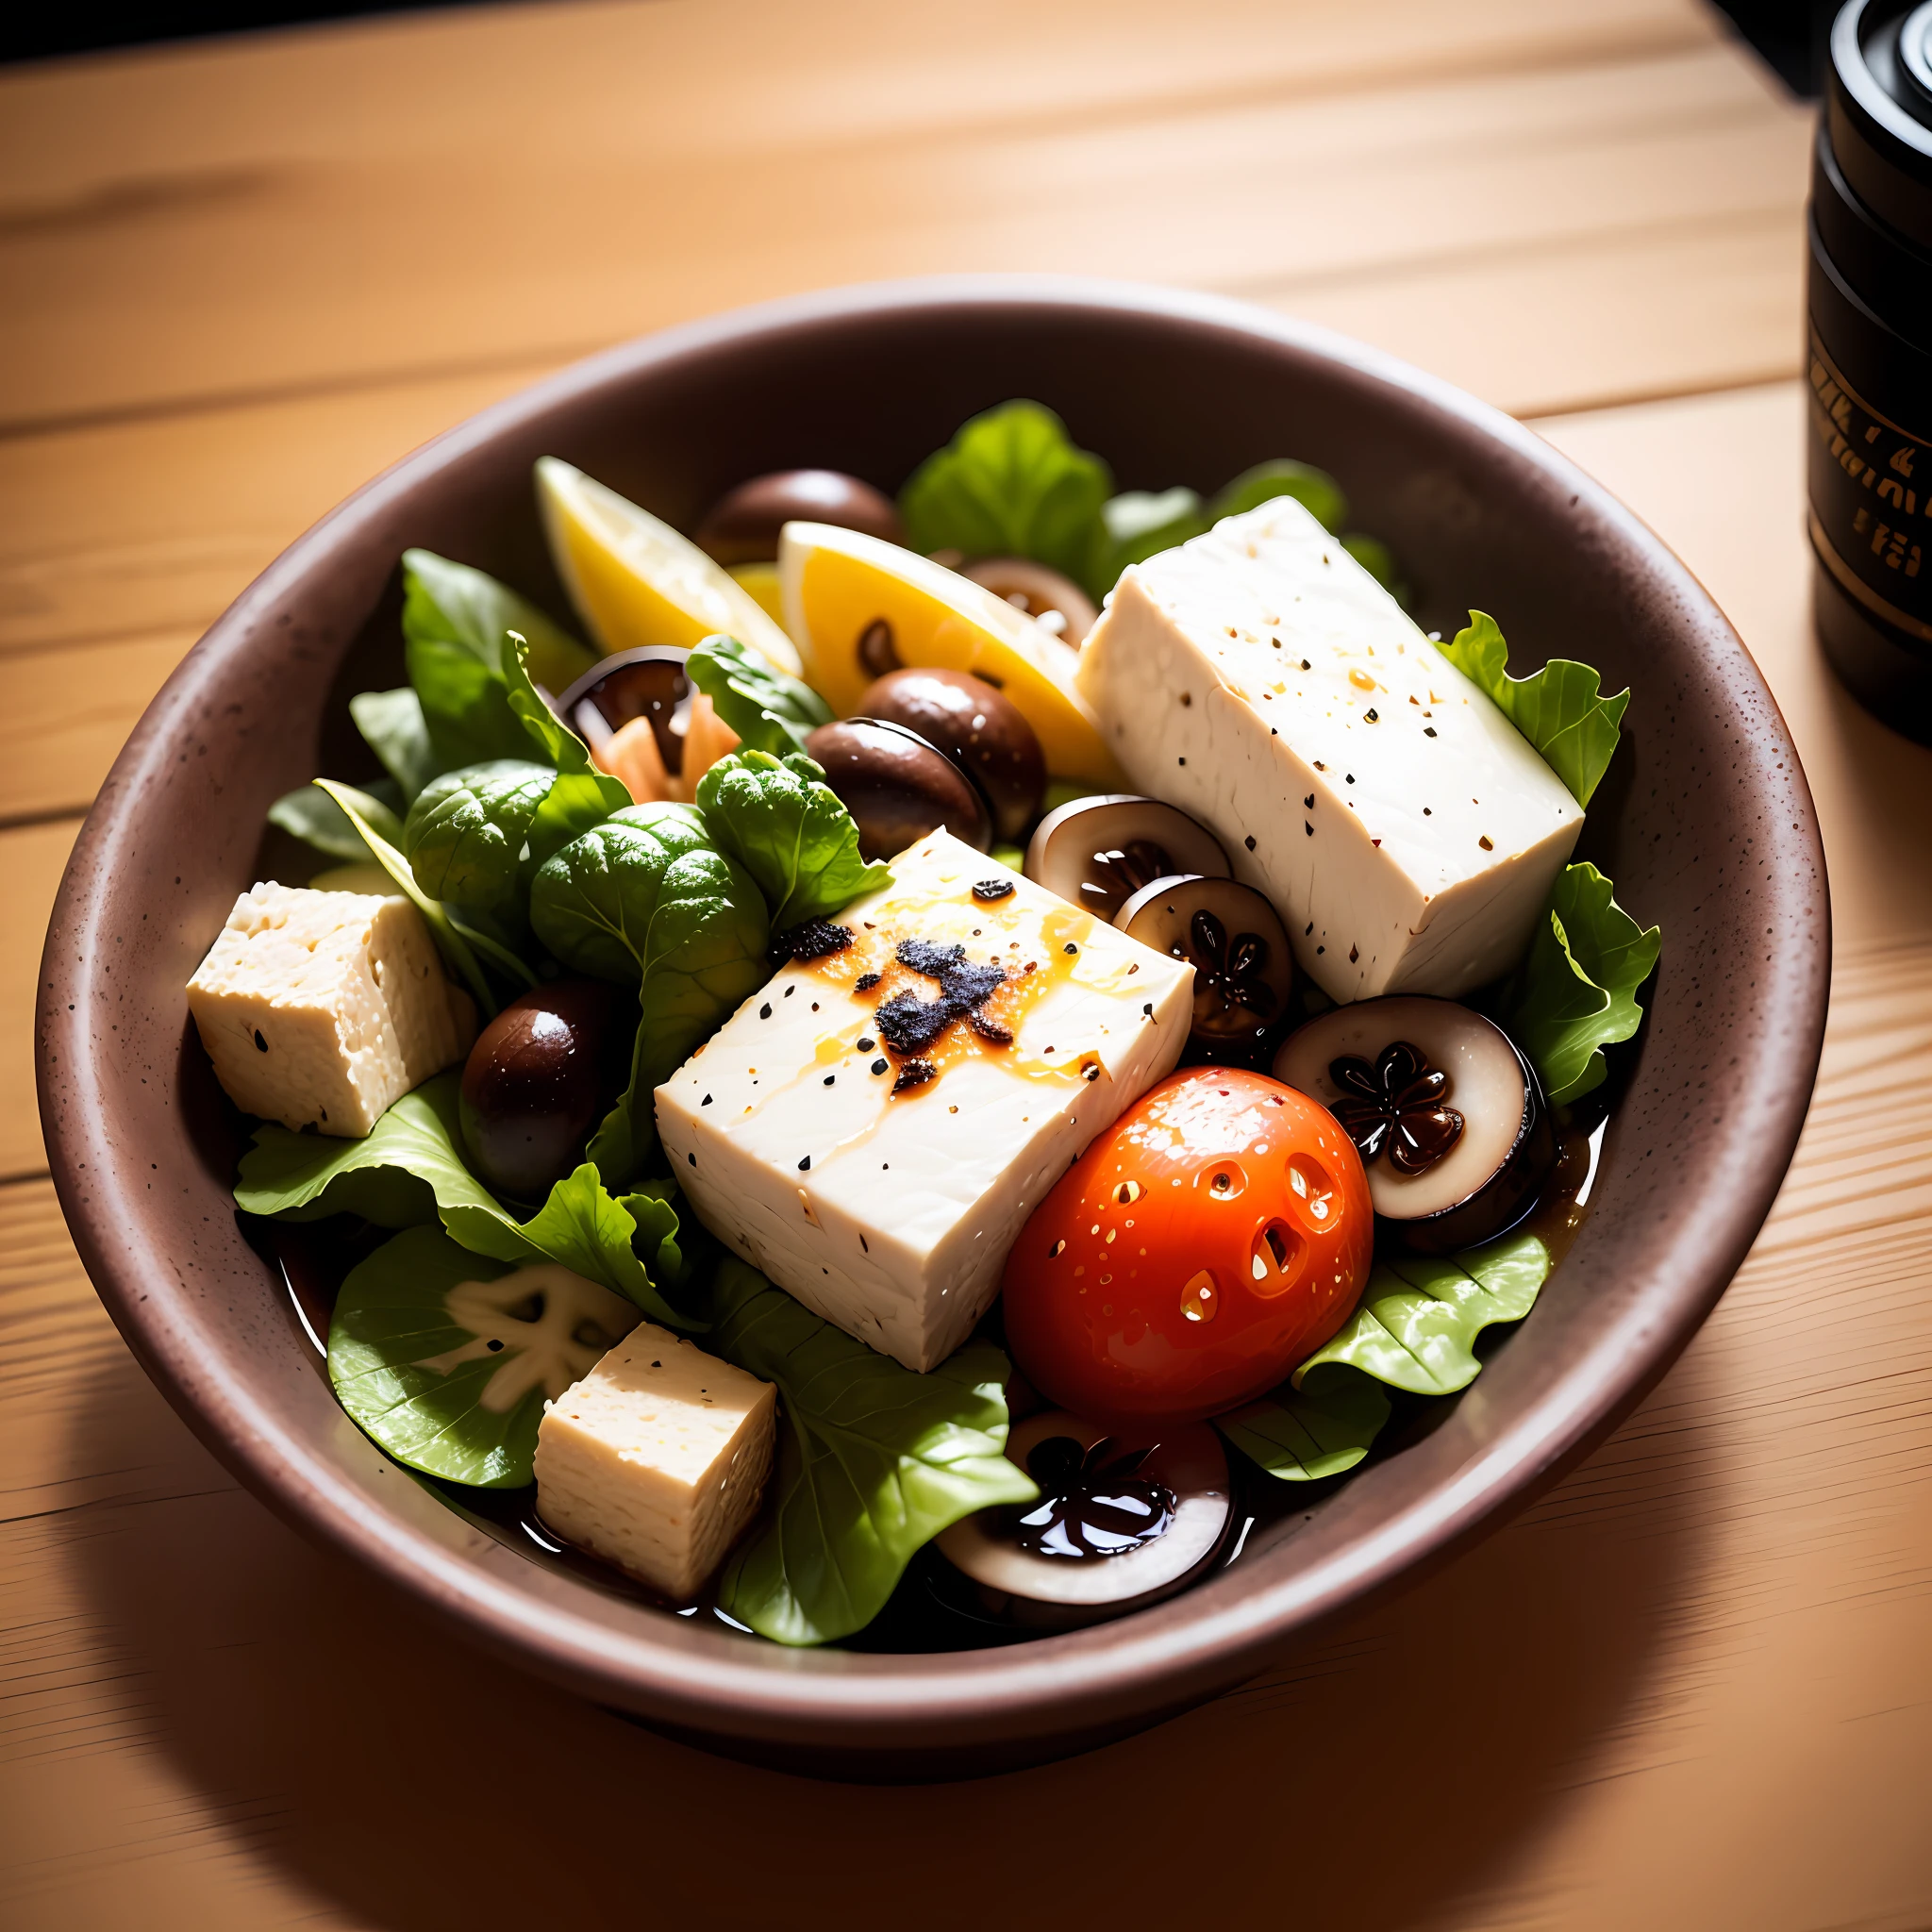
914	1074
815	940
912	1025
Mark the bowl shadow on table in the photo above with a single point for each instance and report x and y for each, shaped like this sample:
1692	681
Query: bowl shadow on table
1378	1772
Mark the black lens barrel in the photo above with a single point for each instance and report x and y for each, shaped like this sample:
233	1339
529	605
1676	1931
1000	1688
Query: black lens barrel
1870	445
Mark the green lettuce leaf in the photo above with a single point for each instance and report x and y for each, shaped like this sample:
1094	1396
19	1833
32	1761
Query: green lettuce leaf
1303	1435
1576	991
455	624
462	943
1141	523
769	710
646	899
873	1461
410	1167
392	728
791	831
1559	710
1316	490
1419	1316
1011	483
446	1361
312	816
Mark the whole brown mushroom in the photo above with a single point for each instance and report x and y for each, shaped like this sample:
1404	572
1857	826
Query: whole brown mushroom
742	526
980	728
1050	600
896	786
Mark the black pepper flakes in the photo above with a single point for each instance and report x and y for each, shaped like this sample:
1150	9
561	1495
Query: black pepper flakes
1070	947
867	1043
705	1100
1180	761
864	983
879	1066
988	890
692	1158
805	1165
765	1010
829	1079
1355	954
1374	716
1249	842
1306	666
1429	731
1310	801
1308	828
914	1074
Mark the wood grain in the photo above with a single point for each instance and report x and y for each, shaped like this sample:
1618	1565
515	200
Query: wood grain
32	858
1680	1686
335	229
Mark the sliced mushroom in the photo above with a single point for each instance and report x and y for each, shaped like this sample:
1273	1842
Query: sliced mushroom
1056	602
1098	852
742	526
1443	1108
896	786
1243	968
1123	1521
980	728
627	686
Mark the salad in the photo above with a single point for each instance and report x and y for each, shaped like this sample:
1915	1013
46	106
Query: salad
930	1059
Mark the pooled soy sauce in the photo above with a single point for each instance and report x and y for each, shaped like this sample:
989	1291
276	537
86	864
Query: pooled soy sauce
934	1608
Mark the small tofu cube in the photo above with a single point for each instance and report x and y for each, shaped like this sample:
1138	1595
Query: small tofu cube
656	1460
320	1008
1259	679
873	1127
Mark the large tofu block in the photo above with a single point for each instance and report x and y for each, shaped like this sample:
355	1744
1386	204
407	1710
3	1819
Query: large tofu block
1261	679
656	1460
320	1008
890	1212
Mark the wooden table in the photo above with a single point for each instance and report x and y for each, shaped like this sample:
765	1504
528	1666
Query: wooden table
1693	1687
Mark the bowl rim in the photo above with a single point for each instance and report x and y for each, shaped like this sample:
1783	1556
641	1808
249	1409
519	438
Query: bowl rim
1150	1664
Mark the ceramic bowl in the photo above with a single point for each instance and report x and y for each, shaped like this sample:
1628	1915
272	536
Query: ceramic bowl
1706	824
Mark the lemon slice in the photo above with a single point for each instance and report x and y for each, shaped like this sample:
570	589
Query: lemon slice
636	581
858	606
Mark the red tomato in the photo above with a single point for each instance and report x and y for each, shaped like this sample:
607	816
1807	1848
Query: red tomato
1216	1235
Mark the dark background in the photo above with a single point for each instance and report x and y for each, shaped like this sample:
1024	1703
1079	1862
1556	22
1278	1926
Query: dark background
1789	34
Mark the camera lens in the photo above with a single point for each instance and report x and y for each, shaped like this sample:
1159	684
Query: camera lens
1870	453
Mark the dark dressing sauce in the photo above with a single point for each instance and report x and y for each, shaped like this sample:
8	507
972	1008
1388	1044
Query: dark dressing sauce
934	1608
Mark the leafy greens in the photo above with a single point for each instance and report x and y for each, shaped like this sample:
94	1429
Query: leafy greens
873	1461
768	709
411	1168
393	726
1575	992
1559	710
791	831
446	1358
647	900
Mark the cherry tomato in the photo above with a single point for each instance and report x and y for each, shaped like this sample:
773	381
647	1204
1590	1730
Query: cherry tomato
1215	1236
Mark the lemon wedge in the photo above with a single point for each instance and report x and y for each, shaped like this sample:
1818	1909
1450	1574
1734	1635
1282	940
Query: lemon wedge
859	607
636	581
761	580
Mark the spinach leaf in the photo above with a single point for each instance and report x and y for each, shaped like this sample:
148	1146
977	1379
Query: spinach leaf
318	821
475	836
392	725
455	624
468	831
791	831
411	1169
1011	484
460	946
646	899
769	710
1283	476
1576	991
1558	709
1303	1435
1419	1316
873	1461
446	1359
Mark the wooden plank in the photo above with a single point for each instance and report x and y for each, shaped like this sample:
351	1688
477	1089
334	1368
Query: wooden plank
281	264
32	858
1688	1687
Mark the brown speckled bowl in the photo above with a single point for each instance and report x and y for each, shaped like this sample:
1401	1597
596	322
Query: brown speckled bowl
1705	823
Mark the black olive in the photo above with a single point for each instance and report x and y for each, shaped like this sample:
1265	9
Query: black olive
897	785
743	523
648	683
980	728
1243	968
537	1080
